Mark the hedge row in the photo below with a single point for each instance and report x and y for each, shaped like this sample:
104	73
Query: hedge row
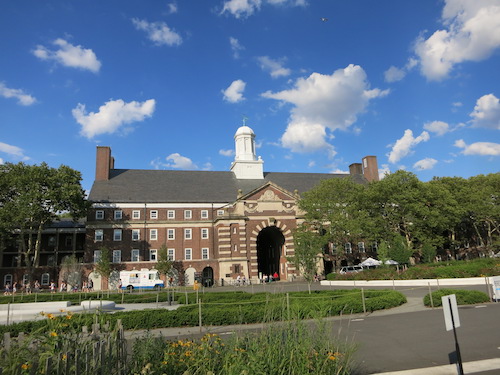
236	308
464	297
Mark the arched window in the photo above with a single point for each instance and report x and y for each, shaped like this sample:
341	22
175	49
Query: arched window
7	279
45	279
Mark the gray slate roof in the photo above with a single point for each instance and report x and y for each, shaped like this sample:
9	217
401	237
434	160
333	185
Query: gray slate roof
169	186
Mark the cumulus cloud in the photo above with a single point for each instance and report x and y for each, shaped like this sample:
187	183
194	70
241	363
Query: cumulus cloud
234	93
246	8
236	47
437	127
112	116
229	152
324	102
69	55
177	161
158	32
425	164
274	67
405	145
394	74
471	33
20	95
172	8
383	171
479	148
486	113
12	151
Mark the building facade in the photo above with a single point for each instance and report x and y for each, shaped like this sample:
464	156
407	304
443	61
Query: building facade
216	226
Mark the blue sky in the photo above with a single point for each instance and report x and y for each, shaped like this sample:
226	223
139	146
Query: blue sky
322	83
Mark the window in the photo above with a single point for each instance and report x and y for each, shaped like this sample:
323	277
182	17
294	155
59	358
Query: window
153	214
136	214
235	247
153	255
235	230
204	214
204	253
188	214
188	234
170	214
117	235
118	214
26	278
374	247
171	254
68	241
136	234
98	235
220	212
45	280
153	234
97	255
204	233
237	268
361	247
7	279
135	255
117	256
188	254
170	234
348	248
99	215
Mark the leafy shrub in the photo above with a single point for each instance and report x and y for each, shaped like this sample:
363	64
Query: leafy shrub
464	297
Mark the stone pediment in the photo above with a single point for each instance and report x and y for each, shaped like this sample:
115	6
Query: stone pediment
268	198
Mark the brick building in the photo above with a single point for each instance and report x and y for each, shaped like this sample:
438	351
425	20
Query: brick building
215	225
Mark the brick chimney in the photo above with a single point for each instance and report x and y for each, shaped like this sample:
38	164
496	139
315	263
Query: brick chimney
104	163
355	169
370	168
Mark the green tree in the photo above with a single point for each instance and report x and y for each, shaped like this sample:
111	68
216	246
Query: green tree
71	270
103	265
383	252
307	253
400	251
164	265
428	252
31	197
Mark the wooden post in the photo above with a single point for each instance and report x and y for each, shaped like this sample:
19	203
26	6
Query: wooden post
199	313
363	298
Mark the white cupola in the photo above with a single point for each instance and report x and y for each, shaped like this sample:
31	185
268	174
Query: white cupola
246	165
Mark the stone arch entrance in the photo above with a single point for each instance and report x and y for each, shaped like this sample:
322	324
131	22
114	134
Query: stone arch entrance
270	243
207	276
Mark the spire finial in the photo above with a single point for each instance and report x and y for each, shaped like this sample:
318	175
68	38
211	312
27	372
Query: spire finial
245	119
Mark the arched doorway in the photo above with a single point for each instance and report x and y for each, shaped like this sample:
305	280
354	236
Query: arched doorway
270	242
207	276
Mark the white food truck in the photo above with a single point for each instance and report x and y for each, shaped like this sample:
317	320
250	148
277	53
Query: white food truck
143	279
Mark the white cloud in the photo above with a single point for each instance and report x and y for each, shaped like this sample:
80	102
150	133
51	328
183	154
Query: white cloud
383	171
234	93
246	8
12	150
236	47
425	164
479	148
437	127
472	33
339	171
172	8
486	113
2	161
394	74
112	116
20	95
324	102
229	152
405	144
274	67
177	161
69	55
158	32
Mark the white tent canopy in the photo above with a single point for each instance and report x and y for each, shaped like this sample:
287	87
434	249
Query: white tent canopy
390	261
370	262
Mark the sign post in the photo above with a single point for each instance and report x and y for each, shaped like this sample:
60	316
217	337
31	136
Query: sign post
452	321
496	287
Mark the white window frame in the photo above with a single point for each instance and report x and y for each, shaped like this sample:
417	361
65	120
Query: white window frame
136	214
117	256
7	279
118	215
204	214
26	278
98	235
204	233
220	212
188	234
135	255
153	255
188	253
153	214
204	253
235	247
348	248
171	214
170	234
99	215
136	234
361	247
153	234
171	254
188	214
117	234
97	255
45	279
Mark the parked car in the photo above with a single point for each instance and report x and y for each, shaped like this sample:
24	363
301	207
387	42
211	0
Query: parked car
350	269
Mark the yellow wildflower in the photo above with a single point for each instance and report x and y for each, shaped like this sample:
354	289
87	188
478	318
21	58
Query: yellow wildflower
53	334
332	358
51	316
64	357
25	366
